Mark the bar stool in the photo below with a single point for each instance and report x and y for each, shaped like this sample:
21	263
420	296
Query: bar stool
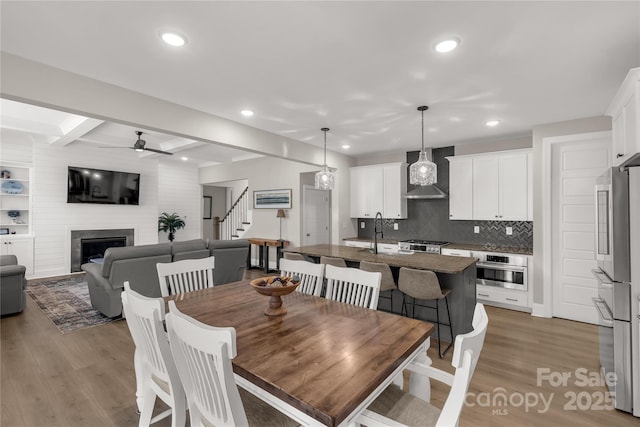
424	285
294	256
337	262
387	283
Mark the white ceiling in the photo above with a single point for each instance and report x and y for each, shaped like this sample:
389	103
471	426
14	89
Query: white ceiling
359	68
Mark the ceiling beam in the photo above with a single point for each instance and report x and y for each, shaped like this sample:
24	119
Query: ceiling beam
77	130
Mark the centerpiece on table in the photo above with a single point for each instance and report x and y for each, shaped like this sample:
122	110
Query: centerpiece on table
275	287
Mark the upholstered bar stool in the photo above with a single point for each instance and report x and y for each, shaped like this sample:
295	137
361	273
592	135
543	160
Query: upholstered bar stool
387	283
337	262
424	285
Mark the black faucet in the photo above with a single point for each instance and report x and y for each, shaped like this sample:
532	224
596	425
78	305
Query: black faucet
376	232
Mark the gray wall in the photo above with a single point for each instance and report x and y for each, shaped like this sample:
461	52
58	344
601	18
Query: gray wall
429	219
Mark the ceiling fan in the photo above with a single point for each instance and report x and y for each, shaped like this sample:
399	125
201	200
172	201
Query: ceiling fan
140	145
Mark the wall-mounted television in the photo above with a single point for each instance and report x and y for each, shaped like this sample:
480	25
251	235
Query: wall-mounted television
87	185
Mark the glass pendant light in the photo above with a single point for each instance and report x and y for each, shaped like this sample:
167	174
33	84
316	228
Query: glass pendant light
424	171
324	178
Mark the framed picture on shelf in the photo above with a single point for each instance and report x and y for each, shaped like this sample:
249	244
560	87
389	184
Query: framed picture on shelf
272	199
206	207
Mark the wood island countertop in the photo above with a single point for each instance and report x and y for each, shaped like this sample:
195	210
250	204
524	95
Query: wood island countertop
417	260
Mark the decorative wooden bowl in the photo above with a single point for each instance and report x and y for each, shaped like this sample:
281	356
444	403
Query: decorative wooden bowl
275	293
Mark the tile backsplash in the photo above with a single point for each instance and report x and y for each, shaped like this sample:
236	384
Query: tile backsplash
429	219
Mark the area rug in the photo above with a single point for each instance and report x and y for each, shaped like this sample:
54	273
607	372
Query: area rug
65	301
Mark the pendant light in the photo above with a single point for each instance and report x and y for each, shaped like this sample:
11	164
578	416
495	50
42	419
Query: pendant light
424	171
324	178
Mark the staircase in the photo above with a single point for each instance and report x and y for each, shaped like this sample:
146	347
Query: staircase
238	220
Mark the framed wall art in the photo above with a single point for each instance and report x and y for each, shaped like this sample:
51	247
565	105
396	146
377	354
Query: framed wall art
272	199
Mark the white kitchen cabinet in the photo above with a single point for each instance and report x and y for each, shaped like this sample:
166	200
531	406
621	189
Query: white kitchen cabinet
501	190
625	118
22	248
455	252
378	188
460	187
395	187
501	297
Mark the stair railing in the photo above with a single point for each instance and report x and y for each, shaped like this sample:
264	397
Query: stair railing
235	221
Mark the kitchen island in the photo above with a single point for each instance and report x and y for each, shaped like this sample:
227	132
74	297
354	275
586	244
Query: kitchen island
455	273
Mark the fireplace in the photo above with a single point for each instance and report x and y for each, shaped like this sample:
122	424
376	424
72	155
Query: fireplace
91	249
89	244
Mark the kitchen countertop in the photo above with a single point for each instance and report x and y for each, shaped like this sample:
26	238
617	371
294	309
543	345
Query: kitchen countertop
464	246
418	260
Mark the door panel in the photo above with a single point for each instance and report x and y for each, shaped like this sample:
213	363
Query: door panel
575	166
316	216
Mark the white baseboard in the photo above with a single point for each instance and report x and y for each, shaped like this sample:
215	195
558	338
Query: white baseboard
539	310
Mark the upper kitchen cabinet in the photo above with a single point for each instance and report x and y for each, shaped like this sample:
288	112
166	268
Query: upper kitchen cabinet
394	189
500	187
460	187
379	188
491	186
625	115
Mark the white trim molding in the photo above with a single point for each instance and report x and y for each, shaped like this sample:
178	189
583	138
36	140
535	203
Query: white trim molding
546	308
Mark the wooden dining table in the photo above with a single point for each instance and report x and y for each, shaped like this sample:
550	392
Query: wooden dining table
321	363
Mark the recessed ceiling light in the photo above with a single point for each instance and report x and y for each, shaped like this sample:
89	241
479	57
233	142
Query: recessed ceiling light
446	45
346	146
184	158
246	113
173	39
492	123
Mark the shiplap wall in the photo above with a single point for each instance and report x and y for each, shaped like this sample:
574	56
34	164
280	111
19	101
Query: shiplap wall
53	219
180	192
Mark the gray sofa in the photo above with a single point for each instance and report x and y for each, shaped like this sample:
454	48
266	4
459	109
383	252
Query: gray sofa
13	285
137	265
231	259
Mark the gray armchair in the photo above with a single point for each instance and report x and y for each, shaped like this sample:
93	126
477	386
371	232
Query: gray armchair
231	259
13	293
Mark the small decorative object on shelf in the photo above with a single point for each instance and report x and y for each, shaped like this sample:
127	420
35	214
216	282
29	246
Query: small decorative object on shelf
14	215
5	174
12	187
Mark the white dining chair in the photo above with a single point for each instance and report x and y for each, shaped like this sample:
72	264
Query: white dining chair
156	372
185	275
353	286
311	275
203	356
395	407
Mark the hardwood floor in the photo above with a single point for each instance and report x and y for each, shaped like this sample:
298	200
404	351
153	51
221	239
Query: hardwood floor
85	378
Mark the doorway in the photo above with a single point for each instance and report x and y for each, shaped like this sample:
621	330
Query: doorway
316	216
576	162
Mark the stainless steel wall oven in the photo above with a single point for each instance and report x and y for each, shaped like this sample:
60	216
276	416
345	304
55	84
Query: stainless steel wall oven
505	271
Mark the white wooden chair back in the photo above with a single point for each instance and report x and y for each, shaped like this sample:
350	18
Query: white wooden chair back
466	353
144	317
310	274
185	275
203	355
353	286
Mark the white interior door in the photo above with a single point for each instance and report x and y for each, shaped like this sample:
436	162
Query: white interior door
575	166
316	216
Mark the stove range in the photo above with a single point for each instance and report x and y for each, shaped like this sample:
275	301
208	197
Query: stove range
417	245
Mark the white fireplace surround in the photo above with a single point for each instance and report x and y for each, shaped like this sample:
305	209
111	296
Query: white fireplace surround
76	234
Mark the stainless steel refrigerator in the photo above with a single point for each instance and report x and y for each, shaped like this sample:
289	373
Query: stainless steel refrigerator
617	200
